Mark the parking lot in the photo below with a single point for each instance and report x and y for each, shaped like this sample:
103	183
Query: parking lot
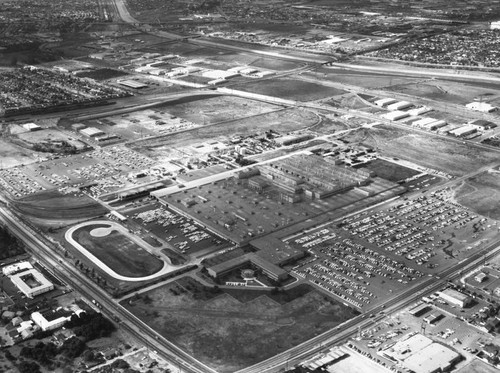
367	256
111	168
180	232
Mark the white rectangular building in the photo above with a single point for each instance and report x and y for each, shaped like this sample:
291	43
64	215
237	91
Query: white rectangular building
385	101
399	105
454	297
463	131
419	111
395	115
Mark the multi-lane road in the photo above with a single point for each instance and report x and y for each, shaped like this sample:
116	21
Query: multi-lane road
44	252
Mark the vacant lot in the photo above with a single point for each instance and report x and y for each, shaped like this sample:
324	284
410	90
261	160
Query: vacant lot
481	194
292	89
228	334
54	205
118	252
389	170
439	153
12	155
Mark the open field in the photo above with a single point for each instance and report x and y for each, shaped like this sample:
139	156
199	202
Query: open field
481	194
441	90
228	334
389	170
441	154
12	155
117	251
54	205
477	366
287	88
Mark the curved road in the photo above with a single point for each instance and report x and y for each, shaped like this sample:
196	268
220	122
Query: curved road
167	268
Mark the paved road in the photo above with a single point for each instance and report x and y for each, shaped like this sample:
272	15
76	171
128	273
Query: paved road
40	250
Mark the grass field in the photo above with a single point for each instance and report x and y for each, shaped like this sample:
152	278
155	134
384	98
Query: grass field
481	194
452	157
389	170
228	334
477	366
118	252
292	89
54	205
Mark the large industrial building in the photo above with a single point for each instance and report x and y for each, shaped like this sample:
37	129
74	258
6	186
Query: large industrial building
31	283
314	176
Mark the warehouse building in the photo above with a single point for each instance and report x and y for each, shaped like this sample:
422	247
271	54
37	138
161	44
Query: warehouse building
31	283
435	125
463	131
91	132
419	111
132	84
399	105
385	101
31	127
482	125
396	115
455	297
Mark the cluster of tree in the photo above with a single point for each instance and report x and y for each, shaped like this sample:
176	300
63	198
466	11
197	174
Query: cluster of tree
43	353
28	367
206	6
9	244
55	147
90	326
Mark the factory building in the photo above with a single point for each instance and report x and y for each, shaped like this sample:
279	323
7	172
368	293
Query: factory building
312	175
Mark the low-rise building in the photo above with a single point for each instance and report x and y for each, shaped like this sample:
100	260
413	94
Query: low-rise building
483	107
31	283
455	297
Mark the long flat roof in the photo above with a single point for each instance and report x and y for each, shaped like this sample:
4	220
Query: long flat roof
431	358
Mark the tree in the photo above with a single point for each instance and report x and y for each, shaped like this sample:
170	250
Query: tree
28	367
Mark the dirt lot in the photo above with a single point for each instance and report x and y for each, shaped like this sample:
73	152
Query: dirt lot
441	154
227	334
481	194
292	89
12	155
389	170
53	205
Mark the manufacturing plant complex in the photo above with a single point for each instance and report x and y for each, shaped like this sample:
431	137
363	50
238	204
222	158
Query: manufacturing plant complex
312	175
